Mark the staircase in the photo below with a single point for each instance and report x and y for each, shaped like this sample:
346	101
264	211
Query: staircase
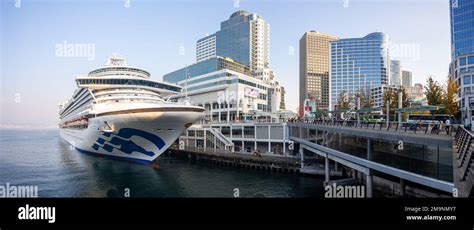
216	139
212	137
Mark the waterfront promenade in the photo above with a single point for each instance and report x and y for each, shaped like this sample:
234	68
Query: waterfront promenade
410	152
420	134
364	148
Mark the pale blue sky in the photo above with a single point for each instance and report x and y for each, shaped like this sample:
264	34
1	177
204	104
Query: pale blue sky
150	33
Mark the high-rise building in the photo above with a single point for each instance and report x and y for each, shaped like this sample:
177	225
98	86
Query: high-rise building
462	55
357	65
231	77
462	31
206	48
406	78
244	37
314	69
395	72
378	92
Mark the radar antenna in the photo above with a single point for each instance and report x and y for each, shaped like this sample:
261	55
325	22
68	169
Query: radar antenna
116	60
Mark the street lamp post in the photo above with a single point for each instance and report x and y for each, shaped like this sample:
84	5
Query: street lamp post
399	107
358	108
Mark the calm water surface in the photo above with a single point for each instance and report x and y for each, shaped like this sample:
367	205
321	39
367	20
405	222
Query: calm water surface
40	157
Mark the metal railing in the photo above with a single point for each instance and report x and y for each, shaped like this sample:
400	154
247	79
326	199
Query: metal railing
220	137
365	165
256	121
464	147
407	127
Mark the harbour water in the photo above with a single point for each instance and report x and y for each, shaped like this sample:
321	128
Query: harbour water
40	158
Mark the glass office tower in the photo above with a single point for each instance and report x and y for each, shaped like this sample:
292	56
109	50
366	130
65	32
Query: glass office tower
358	65
232	71
462	27
462	55
244	37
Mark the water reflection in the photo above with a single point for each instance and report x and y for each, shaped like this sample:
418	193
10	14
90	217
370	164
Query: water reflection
34	157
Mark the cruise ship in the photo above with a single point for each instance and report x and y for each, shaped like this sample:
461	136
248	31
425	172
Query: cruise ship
118	111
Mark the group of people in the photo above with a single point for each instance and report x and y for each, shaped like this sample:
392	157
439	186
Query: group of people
313	120
439	125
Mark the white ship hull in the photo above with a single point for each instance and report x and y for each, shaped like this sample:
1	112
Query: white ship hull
137	136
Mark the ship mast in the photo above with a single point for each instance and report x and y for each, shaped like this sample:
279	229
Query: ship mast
186	98
115	60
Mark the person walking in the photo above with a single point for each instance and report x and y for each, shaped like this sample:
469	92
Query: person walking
436	127
447	125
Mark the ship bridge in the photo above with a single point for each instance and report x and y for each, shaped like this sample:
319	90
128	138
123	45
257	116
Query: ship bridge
117	66
99	83
117	75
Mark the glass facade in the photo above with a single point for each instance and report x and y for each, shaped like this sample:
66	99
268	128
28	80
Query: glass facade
205	67
234	41
462	54
358	64
238	51
462	27
244	37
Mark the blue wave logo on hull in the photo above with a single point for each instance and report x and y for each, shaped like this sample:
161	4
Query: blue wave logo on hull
128	146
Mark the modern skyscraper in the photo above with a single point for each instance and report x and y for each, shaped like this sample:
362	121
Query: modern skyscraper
231	77
244	37
406	78
358	65
462	55
462	29
395	72
314	69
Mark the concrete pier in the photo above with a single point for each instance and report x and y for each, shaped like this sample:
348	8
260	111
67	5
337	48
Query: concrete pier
267	163
368	184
